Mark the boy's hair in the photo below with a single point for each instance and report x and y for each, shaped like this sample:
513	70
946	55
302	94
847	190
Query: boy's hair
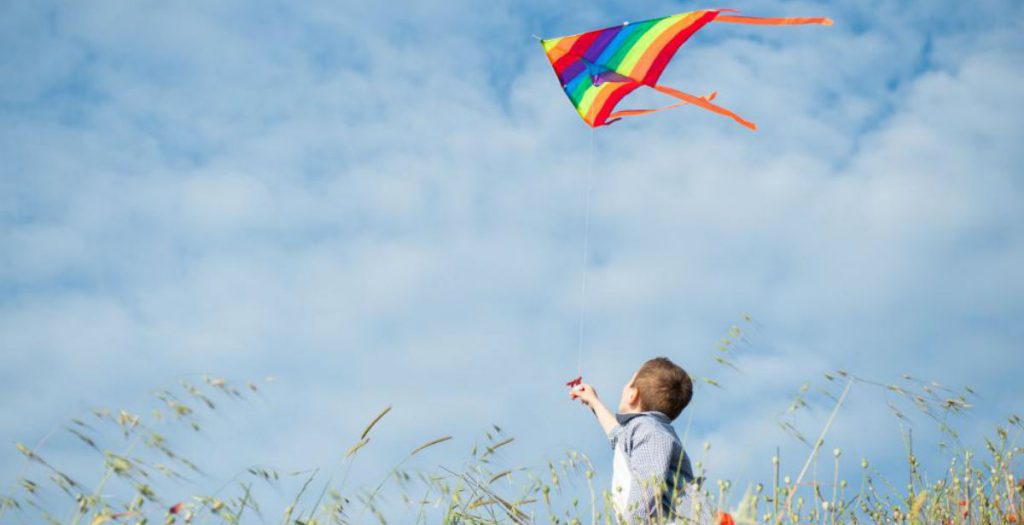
663	386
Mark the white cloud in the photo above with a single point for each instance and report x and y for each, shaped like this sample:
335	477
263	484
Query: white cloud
386	207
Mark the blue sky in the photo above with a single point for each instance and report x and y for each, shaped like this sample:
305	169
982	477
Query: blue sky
383	204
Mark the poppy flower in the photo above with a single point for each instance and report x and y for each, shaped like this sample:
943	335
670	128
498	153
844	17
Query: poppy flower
724	518
176	508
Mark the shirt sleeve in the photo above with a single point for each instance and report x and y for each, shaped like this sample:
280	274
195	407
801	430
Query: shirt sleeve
615	434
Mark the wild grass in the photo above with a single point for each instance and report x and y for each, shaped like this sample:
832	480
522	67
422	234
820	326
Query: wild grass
137	463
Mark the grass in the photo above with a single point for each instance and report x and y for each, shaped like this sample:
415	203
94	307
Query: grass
137	463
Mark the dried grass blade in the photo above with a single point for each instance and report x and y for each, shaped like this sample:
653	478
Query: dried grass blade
502	443
429	444
499	476
374	422
362	443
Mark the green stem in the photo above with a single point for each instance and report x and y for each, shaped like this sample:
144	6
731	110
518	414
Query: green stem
817	446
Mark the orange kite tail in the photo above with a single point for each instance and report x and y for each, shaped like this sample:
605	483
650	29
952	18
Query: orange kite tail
636	112
753	20
701	102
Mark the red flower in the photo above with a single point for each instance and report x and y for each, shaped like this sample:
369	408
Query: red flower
725	519
1012	518
176	508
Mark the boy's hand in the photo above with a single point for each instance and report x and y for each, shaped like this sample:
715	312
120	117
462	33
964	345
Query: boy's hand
588	396
585	393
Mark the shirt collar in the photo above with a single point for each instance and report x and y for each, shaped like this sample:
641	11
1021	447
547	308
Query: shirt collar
624	418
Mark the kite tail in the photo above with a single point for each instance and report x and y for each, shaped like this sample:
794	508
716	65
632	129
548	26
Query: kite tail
753	20
636	112
704	103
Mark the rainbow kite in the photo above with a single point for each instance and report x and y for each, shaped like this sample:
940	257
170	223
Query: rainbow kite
598	68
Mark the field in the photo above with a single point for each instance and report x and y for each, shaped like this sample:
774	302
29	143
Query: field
137	461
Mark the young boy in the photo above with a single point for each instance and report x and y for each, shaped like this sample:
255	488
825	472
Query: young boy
650	469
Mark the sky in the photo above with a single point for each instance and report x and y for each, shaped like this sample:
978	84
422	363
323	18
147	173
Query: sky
383	204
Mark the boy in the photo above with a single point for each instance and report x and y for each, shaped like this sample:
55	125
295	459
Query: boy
649	468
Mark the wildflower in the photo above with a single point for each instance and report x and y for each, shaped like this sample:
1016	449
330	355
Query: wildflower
724	518
176	508
1012	518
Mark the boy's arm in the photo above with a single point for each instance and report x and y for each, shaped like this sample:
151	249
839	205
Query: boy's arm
588	396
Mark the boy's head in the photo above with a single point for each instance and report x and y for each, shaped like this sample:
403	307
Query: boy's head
659	385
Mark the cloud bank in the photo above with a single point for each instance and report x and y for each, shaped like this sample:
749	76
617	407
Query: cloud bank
384	205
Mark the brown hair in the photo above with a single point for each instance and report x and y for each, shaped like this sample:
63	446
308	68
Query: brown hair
663	386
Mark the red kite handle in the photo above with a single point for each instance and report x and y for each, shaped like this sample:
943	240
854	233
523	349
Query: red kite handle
575	382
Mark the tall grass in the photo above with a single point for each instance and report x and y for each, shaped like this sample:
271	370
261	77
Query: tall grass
136	462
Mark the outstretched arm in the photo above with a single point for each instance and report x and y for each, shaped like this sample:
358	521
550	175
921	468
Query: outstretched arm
588	396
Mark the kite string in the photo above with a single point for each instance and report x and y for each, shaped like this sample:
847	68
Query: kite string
586	256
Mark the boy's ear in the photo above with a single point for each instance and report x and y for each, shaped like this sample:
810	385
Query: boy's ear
634	396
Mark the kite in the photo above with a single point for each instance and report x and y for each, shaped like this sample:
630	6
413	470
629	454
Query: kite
598	69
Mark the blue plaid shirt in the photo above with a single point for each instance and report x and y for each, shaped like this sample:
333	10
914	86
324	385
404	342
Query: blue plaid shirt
649	467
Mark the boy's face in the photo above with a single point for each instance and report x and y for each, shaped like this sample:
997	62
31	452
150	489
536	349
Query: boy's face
630	400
